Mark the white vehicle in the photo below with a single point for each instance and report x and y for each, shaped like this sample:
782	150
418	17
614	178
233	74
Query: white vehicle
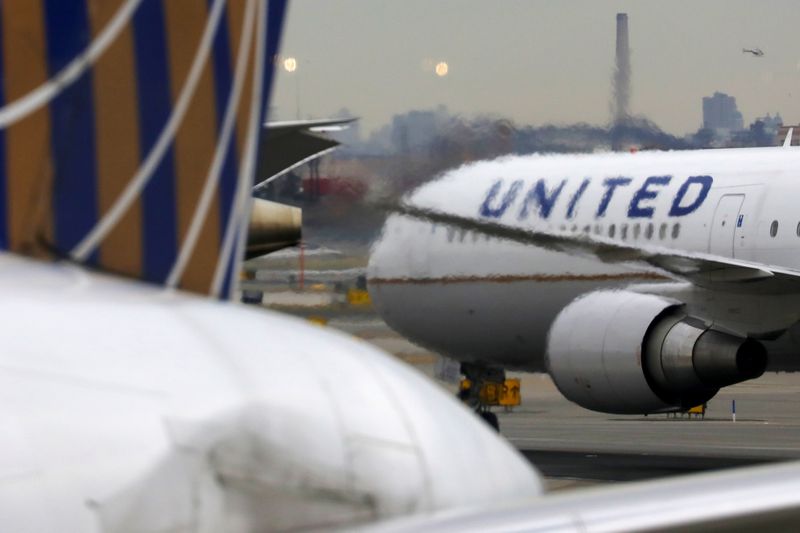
127	145
641	282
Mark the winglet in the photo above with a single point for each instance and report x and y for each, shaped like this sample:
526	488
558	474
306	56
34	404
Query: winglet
787	142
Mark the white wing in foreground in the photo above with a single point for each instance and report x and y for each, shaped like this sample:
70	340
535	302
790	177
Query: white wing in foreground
764	498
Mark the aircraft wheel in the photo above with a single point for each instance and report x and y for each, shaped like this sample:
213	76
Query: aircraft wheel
491	419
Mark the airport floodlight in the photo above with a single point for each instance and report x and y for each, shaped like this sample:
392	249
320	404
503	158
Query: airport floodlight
290	64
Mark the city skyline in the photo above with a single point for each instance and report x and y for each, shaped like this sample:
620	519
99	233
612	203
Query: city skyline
537	63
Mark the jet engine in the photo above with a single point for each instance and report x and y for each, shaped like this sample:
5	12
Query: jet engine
630	353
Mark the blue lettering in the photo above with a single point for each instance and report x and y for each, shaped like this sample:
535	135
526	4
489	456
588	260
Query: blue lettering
539	193
678	210
611	184
487	210
575	197
637	211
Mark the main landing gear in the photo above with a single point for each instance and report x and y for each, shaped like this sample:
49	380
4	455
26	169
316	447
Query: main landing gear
476	389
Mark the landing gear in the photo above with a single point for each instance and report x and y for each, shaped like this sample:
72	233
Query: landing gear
474	390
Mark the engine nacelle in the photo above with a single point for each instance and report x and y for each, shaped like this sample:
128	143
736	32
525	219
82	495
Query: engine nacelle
630	353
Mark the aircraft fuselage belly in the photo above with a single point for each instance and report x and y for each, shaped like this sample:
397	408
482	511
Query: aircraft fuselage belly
498	319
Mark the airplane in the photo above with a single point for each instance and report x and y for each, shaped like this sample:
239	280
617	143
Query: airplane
283	147
135	395
642	283
756	52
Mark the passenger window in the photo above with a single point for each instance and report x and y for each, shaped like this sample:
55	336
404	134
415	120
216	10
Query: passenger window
637	230
662	231
612	229
798	229
598	229
773	228
648	233
623	231
676	230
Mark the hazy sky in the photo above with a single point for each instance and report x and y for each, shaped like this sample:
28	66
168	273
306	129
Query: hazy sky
538	62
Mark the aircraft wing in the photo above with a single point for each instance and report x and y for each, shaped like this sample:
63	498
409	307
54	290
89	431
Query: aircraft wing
702	269
765	498
287	145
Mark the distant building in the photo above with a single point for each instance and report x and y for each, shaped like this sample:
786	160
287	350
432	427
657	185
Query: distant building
771	124
418	128
721	115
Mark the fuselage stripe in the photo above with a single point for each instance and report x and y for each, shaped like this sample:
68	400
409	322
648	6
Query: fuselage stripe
75	201
117	141
275	16
159	224
222	64
28	167
4	241
195	139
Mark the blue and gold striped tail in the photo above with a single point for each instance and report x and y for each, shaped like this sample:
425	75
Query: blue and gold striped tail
128	132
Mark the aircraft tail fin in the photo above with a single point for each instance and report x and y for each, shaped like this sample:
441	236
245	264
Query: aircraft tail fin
787	142
128	132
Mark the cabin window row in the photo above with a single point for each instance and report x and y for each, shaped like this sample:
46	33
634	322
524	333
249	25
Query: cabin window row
636	231
773	229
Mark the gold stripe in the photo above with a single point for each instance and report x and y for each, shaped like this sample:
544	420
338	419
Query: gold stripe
29	167
196	139
547	278
117	141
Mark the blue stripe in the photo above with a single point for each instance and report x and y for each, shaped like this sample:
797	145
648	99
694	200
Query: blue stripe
4	244
159	220
72	133
223	73
224	293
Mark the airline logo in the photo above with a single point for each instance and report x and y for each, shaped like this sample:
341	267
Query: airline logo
543	198
128	132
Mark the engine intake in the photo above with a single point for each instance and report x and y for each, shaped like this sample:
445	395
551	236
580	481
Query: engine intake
625	352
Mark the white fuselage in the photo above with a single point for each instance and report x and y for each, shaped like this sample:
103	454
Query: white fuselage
492	301
129	408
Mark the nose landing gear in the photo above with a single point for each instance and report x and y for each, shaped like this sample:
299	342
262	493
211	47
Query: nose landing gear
481	389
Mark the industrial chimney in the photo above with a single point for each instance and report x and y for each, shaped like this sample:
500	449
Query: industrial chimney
622	80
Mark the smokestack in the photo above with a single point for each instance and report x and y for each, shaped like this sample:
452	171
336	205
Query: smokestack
622	72
622	84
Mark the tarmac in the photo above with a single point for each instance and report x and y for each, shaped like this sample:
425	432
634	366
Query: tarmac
574	447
